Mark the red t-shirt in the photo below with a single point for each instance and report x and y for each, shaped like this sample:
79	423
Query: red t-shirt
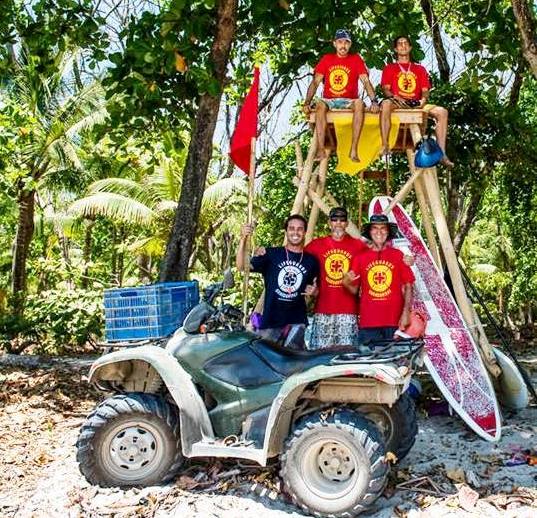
335	258
406	80
341	75
382	275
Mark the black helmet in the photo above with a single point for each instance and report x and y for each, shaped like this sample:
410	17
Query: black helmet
380	219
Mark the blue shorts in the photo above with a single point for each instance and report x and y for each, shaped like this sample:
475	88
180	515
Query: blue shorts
338	103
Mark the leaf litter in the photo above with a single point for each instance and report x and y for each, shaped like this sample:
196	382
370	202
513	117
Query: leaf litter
43	405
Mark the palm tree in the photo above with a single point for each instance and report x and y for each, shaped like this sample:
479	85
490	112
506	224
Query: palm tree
52	112
147	206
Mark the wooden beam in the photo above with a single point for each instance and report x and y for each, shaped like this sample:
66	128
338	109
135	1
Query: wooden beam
325	207
298	205
427	223
421	196
402	193
433	192
412	116
319	189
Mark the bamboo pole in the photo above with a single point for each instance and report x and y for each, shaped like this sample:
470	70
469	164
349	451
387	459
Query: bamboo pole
424	209
489	358
427	223
352	229
433	192
402	193
250	218
319	189
304	181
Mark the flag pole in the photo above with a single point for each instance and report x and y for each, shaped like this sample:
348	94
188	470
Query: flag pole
250	220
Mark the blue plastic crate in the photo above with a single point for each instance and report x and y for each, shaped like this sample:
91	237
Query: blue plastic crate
153	311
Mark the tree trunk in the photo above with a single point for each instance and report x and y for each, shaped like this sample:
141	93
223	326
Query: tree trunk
467	219
144	268
439	49
175	265
86	253
514	93
21	245
526	26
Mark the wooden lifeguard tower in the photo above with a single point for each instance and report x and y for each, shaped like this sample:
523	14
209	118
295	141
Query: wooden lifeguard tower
311	186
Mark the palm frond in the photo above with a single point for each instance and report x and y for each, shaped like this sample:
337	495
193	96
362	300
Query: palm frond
113	206
166	205
127	188
223	189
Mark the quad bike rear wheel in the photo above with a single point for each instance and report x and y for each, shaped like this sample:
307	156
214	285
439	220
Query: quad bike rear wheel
333	465
130	440
398	423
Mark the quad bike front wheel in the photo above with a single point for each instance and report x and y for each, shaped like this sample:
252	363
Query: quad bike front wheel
130	440
333	465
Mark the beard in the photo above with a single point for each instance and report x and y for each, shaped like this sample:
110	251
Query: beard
338	233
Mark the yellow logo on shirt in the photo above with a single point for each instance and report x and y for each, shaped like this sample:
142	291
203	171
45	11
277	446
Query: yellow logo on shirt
406	83
379	279
336	265
338	79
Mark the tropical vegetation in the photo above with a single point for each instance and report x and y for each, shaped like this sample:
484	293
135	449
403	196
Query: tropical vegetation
115	121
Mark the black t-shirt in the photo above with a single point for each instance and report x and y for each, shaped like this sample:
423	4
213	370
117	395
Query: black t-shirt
286	275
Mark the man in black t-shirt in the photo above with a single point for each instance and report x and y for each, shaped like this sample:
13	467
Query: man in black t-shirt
290	274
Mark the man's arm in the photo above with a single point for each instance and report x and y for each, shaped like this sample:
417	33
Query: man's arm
370	92
246	231
404	321
388	94
312	88
424	97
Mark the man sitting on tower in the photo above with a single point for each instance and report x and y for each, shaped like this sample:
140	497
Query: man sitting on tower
340	73
407	85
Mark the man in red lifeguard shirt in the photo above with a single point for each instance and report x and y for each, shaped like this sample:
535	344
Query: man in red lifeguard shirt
336	309
384	282
406	85
340	73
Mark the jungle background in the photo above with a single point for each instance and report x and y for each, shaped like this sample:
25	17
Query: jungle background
112	173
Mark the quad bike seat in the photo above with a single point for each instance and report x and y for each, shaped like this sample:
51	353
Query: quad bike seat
287	361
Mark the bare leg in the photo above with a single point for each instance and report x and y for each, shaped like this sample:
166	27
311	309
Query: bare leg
386	109
440	114
320	129
357	123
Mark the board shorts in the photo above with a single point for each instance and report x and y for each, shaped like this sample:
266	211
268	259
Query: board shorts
427	108
337	104
333	331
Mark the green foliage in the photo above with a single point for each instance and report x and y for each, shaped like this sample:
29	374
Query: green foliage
152	82
55	322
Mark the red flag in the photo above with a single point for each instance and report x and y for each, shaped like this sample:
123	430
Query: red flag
246	127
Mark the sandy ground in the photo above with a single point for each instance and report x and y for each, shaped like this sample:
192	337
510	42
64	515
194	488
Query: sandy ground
449	472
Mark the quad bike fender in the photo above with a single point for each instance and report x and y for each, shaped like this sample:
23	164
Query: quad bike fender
118	366
284	404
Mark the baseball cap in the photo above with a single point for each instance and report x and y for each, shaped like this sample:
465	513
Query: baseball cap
338	212
342	34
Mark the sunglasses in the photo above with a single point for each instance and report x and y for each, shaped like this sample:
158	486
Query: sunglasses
338	218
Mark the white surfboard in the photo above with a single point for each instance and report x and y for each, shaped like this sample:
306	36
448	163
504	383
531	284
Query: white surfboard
512	391
452	357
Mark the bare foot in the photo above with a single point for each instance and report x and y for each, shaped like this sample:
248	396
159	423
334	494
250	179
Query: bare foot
353	155
385	151
447	162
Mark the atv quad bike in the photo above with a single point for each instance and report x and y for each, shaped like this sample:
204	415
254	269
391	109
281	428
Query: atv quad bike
217	390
